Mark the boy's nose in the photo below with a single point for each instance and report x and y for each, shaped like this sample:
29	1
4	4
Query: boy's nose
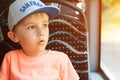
39	31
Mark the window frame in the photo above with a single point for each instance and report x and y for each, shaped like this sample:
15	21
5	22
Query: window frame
94	29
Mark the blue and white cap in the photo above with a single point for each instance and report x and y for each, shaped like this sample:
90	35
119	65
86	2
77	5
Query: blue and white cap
22	8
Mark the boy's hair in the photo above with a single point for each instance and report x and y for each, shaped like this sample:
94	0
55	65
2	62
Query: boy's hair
19	9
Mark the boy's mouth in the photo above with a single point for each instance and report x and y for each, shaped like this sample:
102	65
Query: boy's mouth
42	42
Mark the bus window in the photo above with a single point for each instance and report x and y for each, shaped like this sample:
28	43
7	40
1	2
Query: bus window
110	39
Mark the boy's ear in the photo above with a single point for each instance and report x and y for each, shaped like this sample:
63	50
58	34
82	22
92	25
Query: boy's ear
12	36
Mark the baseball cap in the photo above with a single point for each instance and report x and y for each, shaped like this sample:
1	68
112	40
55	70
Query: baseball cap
19	9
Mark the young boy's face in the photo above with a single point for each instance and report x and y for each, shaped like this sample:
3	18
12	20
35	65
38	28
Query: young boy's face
32	33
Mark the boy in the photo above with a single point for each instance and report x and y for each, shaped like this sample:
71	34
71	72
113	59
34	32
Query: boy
28	22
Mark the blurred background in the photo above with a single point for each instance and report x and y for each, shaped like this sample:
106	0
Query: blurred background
110	38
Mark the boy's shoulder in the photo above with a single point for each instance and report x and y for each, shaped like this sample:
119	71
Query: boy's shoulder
57	53
12	52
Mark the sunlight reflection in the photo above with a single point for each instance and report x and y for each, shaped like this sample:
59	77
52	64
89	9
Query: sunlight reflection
111	33
110	40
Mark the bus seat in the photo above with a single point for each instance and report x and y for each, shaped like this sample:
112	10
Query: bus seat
69	34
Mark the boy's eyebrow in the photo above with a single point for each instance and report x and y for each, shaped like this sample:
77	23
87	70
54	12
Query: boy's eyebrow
46	21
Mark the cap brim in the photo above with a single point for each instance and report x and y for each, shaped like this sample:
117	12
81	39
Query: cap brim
51	11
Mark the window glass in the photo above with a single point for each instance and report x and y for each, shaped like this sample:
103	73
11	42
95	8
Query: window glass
110	38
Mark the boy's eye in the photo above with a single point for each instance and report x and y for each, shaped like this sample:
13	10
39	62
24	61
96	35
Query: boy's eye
45	25
30	27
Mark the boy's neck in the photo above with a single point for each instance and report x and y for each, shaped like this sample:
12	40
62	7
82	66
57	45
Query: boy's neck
42	52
